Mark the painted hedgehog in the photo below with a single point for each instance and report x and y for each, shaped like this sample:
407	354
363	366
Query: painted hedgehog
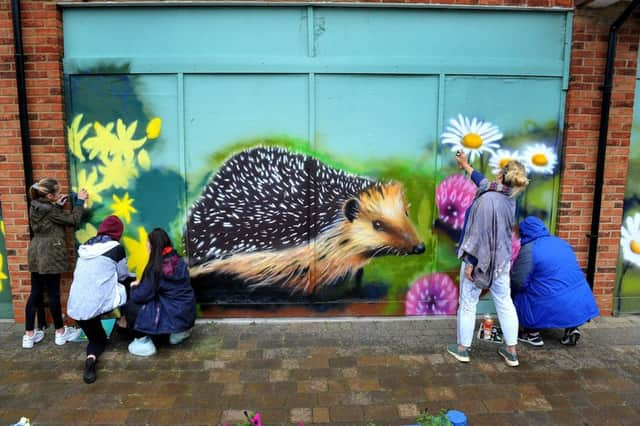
272	217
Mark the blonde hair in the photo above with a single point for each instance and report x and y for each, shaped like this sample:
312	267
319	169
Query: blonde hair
514	174
43	187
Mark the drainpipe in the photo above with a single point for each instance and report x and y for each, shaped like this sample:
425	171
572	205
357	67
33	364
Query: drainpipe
22	98
602	139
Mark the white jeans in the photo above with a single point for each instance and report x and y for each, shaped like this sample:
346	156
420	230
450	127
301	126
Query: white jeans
501	295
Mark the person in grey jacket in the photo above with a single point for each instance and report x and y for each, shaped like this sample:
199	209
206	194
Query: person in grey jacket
48	256
96	288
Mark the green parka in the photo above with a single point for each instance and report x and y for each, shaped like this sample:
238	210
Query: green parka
48	248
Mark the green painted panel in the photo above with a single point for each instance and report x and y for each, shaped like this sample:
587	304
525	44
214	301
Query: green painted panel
6	305
627	293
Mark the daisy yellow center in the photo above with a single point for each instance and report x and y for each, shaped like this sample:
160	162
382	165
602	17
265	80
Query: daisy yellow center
504	162
472	140
539	159
635	246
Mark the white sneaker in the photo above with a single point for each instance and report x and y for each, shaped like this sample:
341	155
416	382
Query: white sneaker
29	341
70	333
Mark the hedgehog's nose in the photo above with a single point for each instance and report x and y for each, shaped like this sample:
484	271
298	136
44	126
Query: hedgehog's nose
419	249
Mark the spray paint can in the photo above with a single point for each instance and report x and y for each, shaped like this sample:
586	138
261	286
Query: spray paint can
487	327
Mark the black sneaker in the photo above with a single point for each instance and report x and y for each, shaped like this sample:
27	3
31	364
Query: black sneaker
534	339
571	337
89	375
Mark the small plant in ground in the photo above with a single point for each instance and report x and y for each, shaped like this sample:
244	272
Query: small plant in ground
427	419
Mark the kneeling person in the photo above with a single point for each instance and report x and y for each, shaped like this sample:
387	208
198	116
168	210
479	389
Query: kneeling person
548	287
165	297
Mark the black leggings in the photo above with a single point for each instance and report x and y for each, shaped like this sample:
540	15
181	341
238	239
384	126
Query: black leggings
38	284
96	335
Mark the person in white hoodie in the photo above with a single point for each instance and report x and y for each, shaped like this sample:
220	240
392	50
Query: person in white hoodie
96	288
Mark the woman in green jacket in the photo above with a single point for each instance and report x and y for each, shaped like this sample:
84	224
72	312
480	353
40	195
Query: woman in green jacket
48	256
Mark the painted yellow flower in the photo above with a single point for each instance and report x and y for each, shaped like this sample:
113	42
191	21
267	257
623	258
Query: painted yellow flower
125	145
101	144
88	231
2	228
75	136
3	276
122	207
154	127
117	172
89	181
144	160
137	253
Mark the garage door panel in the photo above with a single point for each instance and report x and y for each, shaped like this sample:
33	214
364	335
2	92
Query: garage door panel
223	110
185	33
473	36
350	110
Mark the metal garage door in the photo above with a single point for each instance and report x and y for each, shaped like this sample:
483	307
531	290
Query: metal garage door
627	294
282	146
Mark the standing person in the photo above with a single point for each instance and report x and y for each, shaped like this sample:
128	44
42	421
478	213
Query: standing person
485	250
166	298
95	290
549	288
48	255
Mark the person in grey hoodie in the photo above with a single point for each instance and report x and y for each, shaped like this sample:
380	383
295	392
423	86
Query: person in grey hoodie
96	288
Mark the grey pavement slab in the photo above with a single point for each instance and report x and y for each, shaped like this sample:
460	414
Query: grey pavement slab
327	373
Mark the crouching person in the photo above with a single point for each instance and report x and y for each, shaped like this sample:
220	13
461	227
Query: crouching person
164	295
548	287
95	289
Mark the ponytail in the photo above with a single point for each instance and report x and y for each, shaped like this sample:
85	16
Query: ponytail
42	188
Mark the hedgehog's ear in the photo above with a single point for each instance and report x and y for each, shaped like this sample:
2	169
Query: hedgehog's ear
351	208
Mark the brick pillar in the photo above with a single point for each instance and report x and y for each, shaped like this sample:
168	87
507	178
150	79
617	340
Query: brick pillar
589	51
42	39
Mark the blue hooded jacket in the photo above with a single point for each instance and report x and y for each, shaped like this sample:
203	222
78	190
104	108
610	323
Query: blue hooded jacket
548	287
170	309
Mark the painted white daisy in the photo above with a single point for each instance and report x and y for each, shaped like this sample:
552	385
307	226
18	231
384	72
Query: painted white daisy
540	158
630	240
500	158
472	136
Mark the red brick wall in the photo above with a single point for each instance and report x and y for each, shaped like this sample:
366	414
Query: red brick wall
589	50
42	37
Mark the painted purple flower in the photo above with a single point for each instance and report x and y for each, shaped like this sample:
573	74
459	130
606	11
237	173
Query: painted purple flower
454	195
434	294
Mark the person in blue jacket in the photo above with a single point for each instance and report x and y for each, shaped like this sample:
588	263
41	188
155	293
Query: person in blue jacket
548	287
164	295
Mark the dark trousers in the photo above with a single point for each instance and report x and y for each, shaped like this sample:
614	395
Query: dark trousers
96	335
38	284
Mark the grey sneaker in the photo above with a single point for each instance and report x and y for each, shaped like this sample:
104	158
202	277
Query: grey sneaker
462	356
571	336
29	341
175	338
69	334
509	358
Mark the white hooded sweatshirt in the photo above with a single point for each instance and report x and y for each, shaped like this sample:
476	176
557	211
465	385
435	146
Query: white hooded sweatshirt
101	264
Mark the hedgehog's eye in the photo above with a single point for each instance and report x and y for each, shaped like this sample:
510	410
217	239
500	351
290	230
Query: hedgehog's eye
377	225
406	213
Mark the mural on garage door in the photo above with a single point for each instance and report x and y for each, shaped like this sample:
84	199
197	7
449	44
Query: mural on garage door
628	278
6	308
322	186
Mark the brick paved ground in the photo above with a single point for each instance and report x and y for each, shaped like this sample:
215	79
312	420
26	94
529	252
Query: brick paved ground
335	373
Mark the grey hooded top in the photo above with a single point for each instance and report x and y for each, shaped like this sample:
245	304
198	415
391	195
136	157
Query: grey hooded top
487	235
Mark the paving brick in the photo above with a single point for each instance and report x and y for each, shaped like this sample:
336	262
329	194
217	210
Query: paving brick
346	413
321	415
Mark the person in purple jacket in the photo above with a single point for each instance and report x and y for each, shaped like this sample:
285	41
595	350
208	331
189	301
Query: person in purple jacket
548	287
164	295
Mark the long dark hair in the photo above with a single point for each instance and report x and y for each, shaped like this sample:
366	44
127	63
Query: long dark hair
158	240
